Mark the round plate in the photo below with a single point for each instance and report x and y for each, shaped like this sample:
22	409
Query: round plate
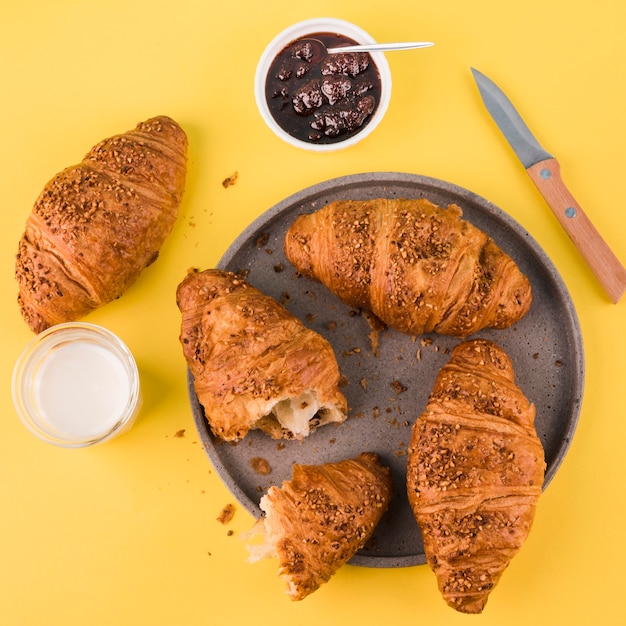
387	391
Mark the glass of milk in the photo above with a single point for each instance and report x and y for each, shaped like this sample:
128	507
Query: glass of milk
76	385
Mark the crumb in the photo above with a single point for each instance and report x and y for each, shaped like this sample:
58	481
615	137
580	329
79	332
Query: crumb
229	533
229	181
375	412
278	268
536	355
179	433
331	325
262	240
280	445
398	387
331	441
351	352
419	354
310	318
284	298
269	251
260	465
343	380
426	342
558	363
364	383
376	326
226	514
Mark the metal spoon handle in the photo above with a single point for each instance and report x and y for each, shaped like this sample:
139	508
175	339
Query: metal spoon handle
371	47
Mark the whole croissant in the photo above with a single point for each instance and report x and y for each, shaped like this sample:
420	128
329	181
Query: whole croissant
475	473
97	225
317	521
416	266
255	365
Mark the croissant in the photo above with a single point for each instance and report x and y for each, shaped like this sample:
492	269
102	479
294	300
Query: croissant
255	365
97	225
475	472
416	266
320	519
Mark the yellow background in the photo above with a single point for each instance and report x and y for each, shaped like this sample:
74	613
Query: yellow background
126	533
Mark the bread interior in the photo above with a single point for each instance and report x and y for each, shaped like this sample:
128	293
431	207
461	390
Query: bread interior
300	415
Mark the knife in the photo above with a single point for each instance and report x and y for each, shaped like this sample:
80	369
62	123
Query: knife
545	171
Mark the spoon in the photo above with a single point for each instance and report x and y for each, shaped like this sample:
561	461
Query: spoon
371	47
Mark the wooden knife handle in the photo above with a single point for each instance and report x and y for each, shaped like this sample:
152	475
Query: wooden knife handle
604	264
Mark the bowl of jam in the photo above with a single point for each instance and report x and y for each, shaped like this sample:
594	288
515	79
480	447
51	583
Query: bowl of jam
316	100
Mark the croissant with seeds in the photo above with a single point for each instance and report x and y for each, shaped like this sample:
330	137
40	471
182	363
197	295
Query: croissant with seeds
416	266
255	365
475	472
317	521
97	225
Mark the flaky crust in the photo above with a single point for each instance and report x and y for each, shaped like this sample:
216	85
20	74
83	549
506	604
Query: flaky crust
97	225
475	473
416	266
323	516
248	353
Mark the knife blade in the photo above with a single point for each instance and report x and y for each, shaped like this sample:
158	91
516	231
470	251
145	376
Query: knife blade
545	171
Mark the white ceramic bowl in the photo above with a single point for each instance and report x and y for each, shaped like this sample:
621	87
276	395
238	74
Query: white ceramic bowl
303	29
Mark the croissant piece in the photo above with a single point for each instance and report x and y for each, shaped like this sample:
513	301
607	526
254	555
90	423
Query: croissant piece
321	518
416	266
97	225
254	364
475	473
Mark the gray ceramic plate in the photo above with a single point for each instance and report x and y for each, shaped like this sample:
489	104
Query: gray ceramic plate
386	393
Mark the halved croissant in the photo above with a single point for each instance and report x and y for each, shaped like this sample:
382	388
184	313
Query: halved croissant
317	521
254	364
416	266
97	225
475	473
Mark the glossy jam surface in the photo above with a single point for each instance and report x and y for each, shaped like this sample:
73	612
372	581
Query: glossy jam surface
318	97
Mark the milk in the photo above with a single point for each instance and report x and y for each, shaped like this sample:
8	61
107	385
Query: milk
81	389
75	385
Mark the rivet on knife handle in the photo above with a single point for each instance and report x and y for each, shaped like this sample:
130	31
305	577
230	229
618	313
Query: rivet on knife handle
544	170
603	263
